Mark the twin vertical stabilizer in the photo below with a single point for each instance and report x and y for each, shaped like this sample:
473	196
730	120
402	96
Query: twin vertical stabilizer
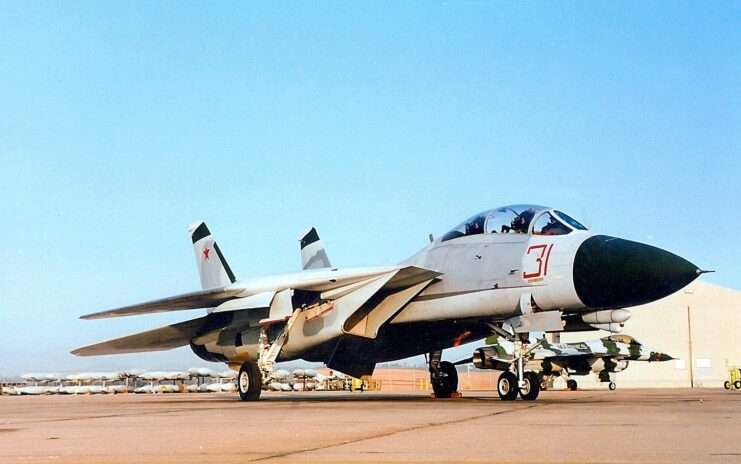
214	271
212	267
313	255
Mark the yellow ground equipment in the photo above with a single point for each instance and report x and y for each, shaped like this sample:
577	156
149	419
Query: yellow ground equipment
734	380
357	385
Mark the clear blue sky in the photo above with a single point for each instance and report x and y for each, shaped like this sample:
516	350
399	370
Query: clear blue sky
378	123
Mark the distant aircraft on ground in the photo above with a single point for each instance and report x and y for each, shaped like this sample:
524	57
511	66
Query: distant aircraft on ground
508	271
544	361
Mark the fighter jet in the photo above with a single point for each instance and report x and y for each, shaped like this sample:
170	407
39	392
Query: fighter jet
508	271
545	360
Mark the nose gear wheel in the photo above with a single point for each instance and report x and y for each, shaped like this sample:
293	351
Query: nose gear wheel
531	386
507	386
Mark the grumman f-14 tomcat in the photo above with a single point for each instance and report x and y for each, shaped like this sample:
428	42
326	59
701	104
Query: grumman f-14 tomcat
508	271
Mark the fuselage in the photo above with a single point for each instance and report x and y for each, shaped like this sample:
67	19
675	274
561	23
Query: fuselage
486	274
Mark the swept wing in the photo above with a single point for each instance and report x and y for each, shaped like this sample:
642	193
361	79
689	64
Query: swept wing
163	338
193	300
350	290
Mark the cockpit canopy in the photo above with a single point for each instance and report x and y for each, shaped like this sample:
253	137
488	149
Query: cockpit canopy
517	219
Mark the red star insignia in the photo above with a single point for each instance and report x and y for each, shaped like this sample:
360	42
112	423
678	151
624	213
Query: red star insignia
205	253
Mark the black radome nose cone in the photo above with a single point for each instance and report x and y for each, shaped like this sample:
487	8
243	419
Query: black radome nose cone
611	273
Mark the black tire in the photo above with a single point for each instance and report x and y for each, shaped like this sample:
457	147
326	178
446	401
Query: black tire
249	381
737	384
532	386
446	383
507	386
612	386
727	384
571	384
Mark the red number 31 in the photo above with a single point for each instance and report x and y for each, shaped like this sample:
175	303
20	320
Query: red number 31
545	252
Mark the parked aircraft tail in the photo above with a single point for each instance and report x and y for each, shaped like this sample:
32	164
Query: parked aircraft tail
313	255
212	267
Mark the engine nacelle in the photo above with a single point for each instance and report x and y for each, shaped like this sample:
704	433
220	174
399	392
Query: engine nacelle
206	354
232	346
484	358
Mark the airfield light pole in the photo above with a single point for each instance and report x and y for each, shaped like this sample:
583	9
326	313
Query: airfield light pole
689	343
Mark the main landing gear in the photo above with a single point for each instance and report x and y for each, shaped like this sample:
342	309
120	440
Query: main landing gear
253	374
443	376
606	377
249	381
571	384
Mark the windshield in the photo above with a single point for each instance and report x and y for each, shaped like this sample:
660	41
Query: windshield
570	221
505	220
547	224
516	219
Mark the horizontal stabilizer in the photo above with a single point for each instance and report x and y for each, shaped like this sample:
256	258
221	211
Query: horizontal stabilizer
194	300
164	338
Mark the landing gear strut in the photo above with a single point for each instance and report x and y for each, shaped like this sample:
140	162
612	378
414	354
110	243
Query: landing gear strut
253	374
443	376
527	383
249	381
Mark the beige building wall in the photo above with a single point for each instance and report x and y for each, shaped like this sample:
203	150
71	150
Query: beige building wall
700	326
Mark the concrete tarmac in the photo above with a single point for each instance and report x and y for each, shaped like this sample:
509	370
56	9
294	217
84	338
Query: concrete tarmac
677	425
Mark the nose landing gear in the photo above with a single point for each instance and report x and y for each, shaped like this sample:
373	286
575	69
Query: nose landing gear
525	383
508	387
